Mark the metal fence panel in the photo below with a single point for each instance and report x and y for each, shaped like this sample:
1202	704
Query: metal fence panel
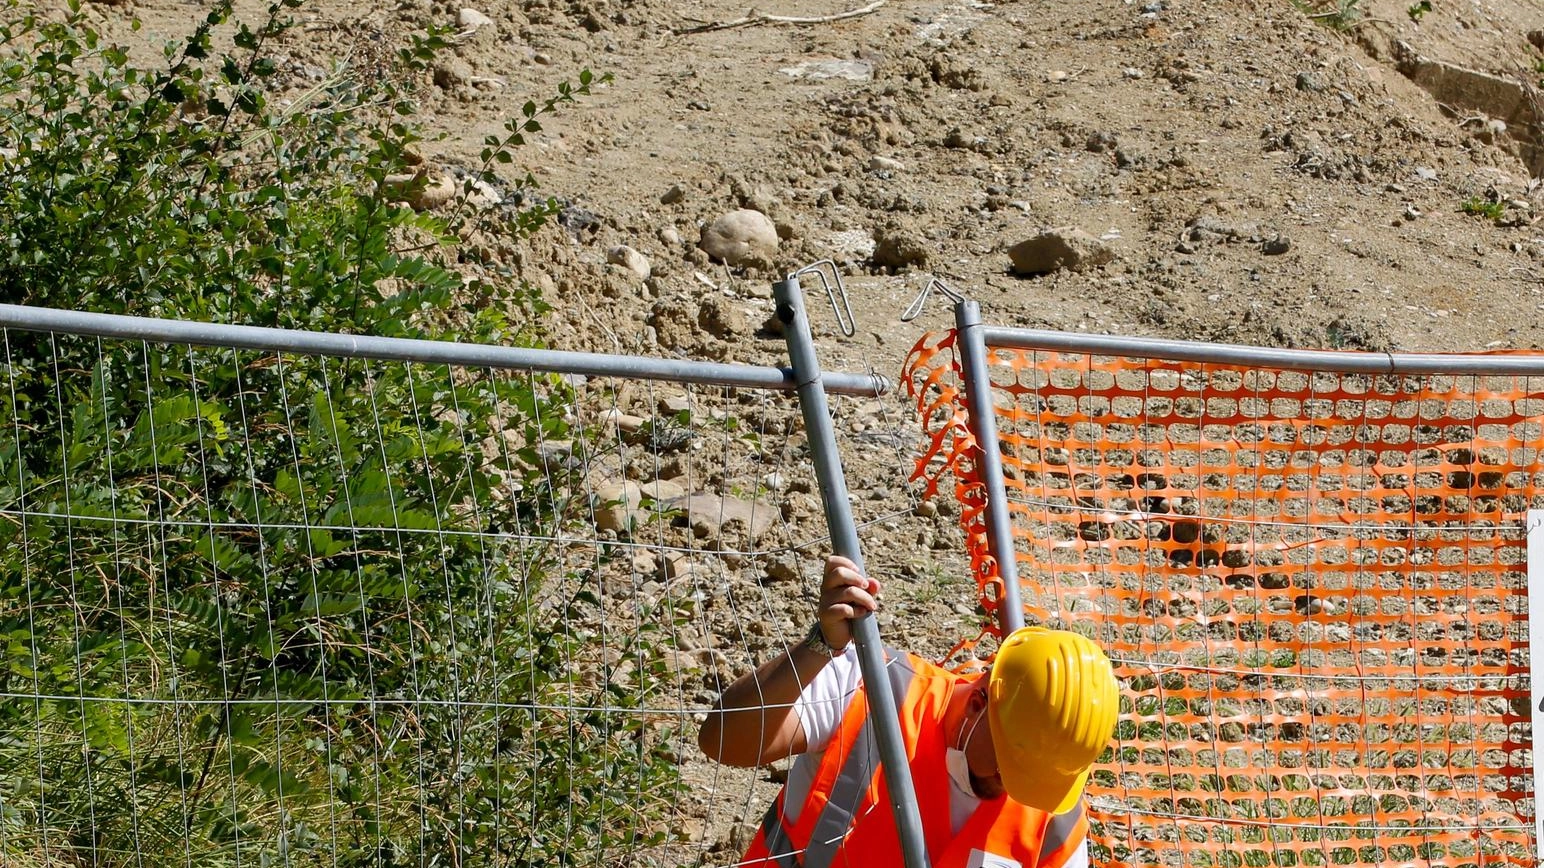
270	607
1312	579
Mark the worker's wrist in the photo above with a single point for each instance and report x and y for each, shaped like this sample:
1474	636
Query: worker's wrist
815	641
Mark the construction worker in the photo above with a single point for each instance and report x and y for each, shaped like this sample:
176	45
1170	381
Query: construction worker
1007	794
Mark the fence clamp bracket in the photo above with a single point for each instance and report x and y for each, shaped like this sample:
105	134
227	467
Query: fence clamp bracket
915	308
834	291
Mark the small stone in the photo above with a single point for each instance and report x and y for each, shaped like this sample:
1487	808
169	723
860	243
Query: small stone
1056	75
1309	83
422	195
676	564
1132	72
670	237
783	570
1209	228
617	506
1412	212
1276	245
897	247
1308	605
718	317
471	19
675	194
1101	141
452	73
831	68
1425	173
542	59
1061	248
630	259
885	164
645	563
664	490
743	237
483	195
625	422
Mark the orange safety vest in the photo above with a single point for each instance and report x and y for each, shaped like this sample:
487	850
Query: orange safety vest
846	818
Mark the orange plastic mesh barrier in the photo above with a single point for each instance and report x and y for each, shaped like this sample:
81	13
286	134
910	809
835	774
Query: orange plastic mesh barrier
1313	586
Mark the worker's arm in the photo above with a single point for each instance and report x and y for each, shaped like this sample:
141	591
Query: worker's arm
753	723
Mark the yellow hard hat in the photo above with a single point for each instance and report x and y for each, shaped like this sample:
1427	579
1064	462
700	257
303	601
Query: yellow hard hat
1052	704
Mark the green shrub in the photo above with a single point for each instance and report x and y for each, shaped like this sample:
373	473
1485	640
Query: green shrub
338	646
1491	209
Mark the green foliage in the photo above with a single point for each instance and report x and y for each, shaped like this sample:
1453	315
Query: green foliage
339	649
1417	10
1334	14
1491	209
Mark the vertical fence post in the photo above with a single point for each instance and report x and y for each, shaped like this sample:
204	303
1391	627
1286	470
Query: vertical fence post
844	541
989	461
1534	524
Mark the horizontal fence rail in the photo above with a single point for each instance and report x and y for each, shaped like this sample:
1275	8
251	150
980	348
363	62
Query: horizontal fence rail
425	352
390	603
1469	364
1310	569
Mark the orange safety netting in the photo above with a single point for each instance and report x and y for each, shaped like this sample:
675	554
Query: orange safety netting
1313	586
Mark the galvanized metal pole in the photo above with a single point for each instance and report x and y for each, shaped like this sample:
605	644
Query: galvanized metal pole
1535	578
883	713
39	319
989	461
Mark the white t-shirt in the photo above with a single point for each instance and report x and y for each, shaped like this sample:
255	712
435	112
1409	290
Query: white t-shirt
821	707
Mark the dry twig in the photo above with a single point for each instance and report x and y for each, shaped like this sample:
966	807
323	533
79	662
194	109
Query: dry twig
755	18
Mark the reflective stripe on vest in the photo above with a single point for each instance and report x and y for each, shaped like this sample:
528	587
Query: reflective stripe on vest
779	849
846	792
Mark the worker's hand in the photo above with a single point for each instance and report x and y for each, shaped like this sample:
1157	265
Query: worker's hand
845	594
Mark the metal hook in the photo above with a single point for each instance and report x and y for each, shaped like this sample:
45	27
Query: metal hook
915	308
834	289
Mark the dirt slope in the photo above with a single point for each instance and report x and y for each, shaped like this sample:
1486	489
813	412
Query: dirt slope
1130	121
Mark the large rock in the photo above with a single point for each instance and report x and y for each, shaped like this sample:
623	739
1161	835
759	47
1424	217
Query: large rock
743	237
709	515
1057	249
625	506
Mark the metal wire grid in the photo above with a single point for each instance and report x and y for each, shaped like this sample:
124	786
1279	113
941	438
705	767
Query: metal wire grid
276	609
1315	677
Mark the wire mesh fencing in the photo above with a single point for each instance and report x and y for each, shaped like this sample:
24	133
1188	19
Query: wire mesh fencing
269	607
1313	584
